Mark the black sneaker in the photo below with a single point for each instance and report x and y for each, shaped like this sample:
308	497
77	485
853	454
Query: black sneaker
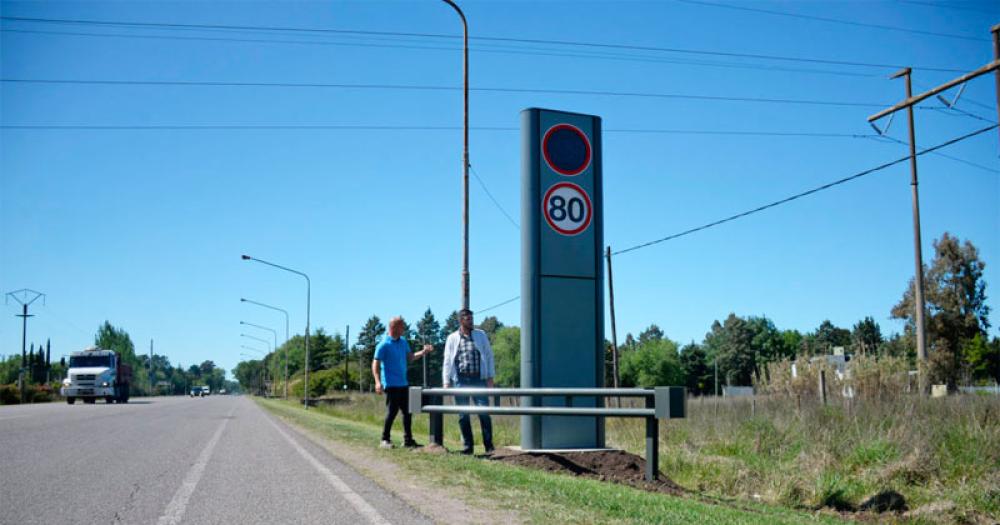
412	444
466	452
490	451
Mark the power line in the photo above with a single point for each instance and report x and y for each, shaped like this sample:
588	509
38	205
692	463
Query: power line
498	305
830	20
945	155
803	194
425	87
947	6
352	127
490	195
575	43
478	49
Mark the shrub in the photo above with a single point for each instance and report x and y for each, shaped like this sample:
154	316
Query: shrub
9	395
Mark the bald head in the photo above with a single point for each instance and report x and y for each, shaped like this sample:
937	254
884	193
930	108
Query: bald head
396	327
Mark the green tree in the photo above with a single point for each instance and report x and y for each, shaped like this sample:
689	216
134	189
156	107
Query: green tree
792	341
730	343
651	333
451	325
490	325
983	358
111	338
654	363
429	332
697	372
368	339
507	356
955	299
866	337
828	335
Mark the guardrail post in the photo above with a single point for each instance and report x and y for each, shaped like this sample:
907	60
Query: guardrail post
652	443
436	423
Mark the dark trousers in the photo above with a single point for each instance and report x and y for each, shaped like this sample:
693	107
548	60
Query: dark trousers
396	399
484	419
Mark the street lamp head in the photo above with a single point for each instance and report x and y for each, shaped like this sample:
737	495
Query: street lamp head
246	257
241	322
242	300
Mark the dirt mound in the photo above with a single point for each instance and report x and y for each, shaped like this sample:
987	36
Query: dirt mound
616	466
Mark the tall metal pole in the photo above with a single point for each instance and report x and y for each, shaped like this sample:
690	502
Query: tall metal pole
286	334
305	400
263	363
918	293
465	155
275	347
150	371
24	302
347	353
614	333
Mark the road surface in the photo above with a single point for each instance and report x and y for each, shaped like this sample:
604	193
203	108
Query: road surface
219	459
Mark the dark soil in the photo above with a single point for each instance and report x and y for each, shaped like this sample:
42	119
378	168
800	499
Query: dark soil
616	466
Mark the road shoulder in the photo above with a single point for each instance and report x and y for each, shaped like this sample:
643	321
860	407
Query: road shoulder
430	499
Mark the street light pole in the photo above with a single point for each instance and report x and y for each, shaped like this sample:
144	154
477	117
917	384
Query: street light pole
263	363
263	369
244	300
305	393
465	154
275	347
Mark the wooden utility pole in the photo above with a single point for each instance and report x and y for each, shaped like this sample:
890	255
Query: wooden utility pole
908	103
614	333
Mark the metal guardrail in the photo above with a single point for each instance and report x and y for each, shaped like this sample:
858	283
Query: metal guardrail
669	402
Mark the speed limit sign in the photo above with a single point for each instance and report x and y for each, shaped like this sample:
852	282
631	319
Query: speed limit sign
567	208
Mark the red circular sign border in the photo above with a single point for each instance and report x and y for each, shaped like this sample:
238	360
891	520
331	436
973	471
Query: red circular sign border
586	142
545	209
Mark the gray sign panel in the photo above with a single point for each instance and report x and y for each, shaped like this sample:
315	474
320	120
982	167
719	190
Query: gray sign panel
562	316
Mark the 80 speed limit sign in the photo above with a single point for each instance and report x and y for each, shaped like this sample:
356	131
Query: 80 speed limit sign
567	208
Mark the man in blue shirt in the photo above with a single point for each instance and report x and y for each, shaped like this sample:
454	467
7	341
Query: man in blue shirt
389	370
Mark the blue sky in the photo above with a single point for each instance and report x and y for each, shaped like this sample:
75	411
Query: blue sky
144	227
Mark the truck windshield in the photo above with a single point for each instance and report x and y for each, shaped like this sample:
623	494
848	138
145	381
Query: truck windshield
87	361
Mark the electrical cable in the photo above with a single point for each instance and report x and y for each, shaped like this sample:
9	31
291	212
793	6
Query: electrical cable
425	87
498	305
802	194
830	20
603	45
490	195
478	49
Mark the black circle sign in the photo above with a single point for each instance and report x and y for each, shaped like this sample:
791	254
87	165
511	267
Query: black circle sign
566	149
567	208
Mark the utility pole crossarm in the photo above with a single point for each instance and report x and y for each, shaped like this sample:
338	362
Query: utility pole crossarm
916	99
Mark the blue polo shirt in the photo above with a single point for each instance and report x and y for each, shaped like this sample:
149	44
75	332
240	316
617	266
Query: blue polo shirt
392	353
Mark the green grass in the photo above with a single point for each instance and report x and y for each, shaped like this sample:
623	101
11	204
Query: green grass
538	496
805	456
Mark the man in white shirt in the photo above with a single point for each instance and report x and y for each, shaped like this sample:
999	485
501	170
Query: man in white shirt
468	363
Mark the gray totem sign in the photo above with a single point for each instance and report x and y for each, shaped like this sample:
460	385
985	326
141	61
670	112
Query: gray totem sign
562	306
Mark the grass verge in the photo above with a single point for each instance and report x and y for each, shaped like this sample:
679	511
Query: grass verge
536	496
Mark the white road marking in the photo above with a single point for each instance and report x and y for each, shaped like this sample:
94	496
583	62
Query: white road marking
355	499
175	509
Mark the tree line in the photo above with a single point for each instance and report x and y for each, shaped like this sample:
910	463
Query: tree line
156	377
736	348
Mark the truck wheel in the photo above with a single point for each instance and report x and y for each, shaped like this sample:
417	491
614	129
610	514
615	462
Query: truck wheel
124	398
70	400
109	399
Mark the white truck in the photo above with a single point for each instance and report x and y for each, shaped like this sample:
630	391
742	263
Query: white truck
94	374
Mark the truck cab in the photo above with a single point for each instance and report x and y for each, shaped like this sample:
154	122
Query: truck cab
94	374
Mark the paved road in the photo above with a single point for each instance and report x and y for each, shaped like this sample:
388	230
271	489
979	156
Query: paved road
162	461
